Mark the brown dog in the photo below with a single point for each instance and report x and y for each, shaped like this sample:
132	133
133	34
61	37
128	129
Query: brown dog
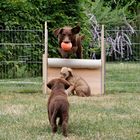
58	106
70	35
78	84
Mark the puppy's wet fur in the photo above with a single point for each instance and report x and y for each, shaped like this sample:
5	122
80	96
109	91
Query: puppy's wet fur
58	105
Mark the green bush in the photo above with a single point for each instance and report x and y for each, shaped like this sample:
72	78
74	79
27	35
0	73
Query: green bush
31	14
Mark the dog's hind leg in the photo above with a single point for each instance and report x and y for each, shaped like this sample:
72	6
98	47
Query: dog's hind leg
53	121
64	124
80	93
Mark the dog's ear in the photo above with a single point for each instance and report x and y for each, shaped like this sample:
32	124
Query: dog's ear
57	31
50	84
76	29
70	71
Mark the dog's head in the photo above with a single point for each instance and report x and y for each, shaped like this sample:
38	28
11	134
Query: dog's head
58	83
66	34
66	72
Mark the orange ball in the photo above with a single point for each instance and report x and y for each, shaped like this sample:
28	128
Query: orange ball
66	46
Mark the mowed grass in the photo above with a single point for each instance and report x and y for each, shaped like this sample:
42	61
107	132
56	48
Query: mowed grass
120	77
123	77
113	116
109	117
21	85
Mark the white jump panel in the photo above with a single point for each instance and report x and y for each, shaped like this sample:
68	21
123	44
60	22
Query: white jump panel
74	63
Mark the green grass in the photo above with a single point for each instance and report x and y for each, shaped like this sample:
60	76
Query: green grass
109	117
21	85
120	77
123	77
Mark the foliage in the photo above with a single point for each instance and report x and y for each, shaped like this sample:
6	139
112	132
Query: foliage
31	14
113	17
119	46
21	53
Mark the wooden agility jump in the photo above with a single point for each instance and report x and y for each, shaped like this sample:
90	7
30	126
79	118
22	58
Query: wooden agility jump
93	71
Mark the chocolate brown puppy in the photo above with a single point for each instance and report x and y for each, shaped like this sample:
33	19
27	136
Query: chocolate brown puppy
70	35
58	105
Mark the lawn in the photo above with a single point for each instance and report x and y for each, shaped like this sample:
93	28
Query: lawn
113	116
108	117
21	85
123	77
120	77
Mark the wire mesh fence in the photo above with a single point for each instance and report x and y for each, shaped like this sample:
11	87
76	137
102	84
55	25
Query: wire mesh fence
21	59
122	56
123	60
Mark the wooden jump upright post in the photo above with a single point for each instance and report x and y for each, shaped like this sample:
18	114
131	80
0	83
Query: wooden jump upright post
102	61
45	60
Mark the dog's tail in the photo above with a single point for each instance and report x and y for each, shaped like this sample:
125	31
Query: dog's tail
54	114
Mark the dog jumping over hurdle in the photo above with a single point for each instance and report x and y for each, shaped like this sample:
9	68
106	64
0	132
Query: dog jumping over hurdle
70	36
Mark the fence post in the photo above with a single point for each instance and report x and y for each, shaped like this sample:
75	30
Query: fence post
45	57
102	62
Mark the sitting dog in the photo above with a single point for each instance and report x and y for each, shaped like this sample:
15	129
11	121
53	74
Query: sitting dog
70	35
58	106
78	85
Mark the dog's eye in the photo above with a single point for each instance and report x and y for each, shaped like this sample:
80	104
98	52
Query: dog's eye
69	34
64	34
63	74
